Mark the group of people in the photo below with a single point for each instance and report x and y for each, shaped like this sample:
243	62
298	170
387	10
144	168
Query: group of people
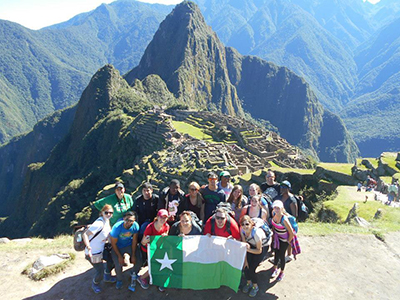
217	208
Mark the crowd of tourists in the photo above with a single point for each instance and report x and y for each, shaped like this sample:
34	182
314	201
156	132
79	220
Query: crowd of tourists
264	220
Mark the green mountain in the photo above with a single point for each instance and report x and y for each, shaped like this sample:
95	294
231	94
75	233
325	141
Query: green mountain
52	66
114	129
198	69
372	116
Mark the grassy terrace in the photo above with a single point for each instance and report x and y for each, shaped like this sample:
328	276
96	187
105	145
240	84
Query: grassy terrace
389	158
287	170
198	133
337	167
373	161
345	200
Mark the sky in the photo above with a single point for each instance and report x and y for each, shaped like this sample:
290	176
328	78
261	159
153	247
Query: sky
36	14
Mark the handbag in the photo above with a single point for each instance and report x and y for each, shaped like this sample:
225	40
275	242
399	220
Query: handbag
97	258
107	252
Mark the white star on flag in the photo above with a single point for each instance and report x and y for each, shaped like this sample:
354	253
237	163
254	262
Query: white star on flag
166	262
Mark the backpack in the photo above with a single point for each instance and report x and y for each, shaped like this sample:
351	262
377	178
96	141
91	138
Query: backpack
226	206
302	209
196	220
292	221
260	223
79	245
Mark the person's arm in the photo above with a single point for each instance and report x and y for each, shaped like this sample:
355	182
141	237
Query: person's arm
264	214
116	250
202	216
243	212
293	208
134	245
207	229
86	242
289	229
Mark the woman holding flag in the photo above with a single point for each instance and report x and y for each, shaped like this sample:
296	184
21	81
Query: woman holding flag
158	227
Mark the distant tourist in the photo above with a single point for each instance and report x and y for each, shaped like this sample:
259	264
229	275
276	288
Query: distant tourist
124	240
224	183
392	193
211	196
255	253
194	201
283	235
185	225
158	227
359	186
120	202
146	207
237	201
221	224
95	238
170	199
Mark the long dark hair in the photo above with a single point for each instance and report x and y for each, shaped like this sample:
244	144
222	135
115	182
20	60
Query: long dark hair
231	199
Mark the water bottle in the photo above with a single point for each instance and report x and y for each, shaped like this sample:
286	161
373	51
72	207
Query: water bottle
133	281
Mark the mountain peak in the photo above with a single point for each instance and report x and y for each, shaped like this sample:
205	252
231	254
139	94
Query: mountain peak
190	58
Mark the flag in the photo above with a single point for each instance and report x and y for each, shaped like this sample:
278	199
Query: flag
195	262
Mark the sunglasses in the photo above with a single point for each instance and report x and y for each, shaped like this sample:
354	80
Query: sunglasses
246	224
193	189
129	221
108	212
212	179
219	218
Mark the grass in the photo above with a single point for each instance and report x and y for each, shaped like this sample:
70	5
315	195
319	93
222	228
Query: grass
373	161
183	127
389	158
347	196
337	167
62	241
287	170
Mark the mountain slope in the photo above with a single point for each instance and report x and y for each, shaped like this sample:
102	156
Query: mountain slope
53	65
200	71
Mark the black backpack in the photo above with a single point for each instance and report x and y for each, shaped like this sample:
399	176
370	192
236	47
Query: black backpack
227	224
302	209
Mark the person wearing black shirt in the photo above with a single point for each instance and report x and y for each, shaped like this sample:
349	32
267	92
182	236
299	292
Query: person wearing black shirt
170	199
146	206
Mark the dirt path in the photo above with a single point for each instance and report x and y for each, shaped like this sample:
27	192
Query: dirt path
330	267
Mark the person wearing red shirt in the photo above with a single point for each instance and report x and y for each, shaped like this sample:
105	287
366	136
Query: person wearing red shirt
224	225
158	227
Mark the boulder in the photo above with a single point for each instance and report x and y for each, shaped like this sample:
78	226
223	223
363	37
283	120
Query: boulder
4	240
46	261
378	214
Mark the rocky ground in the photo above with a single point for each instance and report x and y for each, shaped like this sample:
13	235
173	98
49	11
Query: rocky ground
330	267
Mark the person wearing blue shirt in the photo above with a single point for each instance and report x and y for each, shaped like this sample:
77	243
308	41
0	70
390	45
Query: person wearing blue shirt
124	239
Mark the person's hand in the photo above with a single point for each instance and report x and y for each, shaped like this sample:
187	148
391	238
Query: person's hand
181	234
133	259
209	235
247	246
121	260
246	265
146	240
89	252
230	237
163	234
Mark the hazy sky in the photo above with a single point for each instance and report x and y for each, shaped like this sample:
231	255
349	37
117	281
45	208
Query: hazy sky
36	14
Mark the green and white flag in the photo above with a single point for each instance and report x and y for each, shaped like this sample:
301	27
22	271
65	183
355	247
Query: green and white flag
195	262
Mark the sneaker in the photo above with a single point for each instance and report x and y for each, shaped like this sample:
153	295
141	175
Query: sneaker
289	258
109	279
143	283
161	289
246	288
275	273
96	288
281	276
254	291
119	284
